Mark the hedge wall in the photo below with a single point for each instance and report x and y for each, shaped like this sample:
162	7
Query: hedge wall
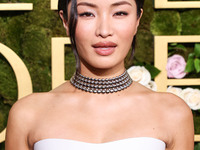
29	34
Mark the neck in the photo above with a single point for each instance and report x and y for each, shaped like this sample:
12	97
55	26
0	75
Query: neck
101	86
100	73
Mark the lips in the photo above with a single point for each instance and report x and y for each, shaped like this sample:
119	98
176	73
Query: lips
104	48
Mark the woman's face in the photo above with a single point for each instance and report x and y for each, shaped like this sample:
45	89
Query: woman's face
105	30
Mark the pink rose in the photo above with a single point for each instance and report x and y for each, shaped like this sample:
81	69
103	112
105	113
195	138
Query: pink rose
176	66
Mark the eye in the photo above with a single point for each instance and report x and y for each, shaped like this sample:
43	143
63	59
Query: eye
86	14
121	13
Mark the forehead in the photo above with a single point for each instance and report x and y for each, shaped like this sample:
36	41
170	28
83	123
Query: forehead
107	2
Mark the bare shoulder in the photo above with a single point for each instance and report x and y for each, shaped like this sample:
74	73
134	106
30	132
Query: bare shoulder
22	117
167	104
28	102
173	107
178	121
164	100
174	104
30	107
26	108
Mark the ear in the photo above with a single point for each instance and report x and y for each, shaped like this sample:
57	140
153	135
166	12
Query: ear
65	22
138	20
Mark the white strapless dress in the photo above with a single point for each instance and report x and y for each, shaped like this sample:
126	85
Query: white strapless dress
138	143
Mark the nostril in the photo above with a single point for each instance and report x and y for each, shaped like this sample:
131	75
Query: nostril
104	29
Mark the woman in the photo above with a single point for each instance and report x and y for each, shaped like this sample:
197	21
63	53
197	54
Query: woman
99	113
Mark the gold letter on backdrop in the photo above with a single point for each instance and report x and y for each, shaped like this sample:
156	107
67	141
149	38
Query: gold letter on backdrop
22	75
15	6
161	54
58	58
21	72
54	4
176	4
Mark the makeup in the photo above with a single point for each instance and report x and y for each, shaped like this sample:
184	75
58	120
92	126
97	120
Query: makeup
104	48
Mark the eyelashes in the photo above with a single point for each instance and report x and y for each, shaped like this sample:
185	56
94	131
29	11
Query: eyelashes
89	14
86	14
121	13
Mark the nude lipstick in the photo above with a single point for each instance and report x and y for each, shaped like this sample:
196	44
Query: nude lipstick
104	48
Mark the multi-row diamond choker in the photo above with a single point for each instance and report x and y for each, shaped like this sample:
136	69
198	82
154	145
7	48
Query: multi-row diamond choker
101	86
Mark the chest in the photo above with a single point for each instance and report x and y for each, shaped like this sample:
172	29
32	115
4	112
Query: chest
139	143
96	126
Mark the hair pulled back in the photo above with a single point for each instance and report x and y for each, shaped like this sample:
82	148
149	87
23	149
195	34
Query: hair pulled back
72	22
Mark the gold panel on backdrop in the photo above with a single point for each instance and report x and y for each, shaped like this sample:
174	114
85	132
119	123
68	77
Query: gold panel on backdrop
22	75
174	4
58	57
15	6
54	4
197	138
24	84
161	55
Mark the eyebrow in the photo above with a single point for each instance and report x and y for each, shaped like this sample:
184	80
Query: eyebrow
121	3
95	6
87	4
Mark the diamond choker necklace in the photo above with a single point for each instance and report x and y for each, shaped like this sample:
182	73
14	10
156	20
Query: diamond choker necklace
101	86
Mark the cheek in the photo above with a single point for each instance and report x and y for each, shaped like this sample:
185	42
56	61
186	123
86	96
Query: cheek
80	33
83	37
83	30
127	30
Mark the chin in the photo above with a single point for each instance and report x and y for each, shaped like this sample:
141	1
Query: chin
102	63
104	66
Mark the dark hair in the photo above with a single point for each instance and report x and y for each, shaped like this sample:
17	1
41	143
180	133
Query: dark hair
63	5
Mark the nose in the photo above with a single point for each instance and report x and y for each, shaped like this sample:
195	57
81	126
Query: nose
104	27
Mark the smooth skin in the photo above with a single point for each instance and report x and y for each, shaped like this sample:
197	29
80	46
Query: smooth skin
69	113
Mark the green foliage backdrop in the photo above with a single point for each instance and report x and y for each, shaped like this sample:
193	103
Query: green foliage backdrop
29	33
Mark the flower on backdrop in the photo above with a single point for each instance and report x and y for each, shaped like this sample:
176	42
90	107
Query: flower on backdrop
139	74
191	97
176	66
174	90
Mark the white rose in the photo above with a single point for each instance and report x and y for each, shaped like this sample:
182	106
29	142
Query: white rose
191	97
174	90
139	74
185	93
152	85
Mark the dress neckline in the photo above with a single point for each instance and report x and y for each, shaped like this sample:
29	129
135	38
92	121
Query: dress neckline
104	143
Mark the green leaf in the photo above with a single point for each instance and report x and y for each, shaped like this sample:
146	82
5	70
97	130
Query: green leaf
197	146
197	50
153	70
171	53
139	64
173	44
190	65
191	56
170	47
177	47
181	47
197	65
